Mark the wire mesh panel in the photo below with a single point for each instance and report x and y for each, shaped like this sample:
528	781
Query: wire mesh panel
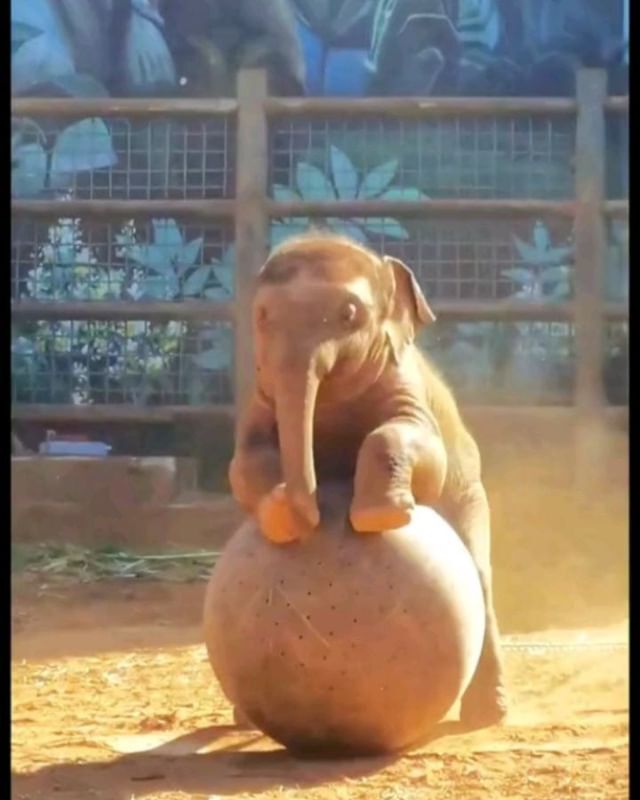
525	363
617	266
160	259
617	155
528	363
470	157
135	362
465	258
123	159
616	366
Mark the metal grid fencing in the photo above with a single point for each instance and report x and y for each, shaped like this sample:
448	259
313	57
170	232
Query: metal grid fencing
143	260
134	362
460	156
133	261
96	158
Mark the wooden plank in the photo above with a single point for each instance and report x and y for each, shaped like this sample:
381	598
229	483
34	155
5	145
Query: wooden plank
617	104
409	208
591	255
221	311
78	108
590	239
117	413
202	210
399	107
252	222
156	311
509	310
167	414
616	208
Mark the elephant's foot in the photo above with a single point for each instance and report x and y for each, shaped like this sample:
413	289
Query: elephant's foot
483	706
390	514
278	521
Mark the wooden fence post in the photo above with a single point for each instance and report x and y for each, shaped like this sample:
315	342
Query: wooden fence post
251	219
590	264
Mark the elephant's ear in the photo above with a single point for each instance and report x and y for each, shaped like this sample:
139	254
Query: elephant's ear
409	310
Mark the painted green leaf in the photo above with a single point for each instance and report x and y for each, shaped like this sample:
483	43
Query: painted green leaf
283	194
345	227
551	274
161	287
21	32
376	181
561	290
30	172
188	254
532	254
166	233
312	183
519	274
224	270
85	145
225	276
196	282
150	256
216	293
385	226
403	193
344	174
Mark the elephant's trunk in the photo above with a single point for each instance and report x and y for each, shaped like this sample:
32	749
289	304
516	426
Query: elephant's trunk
295	409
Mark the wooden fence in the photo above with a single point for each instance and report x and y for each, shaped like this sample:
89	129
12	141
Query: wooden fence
252	209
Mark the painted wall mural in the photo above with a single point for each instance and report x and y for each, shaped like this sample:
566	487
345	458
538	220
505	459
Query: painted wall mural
330	47
193	48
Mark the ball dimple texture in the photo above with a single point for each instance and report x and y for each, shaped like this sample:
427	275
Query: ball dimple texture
346	643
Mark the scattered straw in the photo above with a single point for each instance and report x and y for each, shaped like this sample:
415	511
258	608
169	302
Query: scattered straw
86	564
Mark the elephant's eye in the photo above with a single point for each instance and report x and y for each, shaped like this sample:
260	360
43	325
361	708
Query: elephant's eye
348	314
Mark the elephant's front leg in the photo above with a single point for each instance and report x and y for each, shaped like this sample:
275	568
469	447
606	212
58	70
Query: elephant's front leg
400	463
255	475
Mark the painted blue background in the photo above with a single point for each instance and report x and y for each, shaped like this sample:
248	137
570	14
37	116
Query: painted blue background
349	47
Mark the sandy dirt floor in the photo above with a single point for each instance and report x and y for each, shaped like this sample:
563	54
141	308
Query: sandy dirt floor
113	699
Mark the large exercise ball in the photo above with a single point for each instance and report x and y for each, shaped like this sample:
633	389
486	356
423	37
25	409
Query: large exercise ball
345	643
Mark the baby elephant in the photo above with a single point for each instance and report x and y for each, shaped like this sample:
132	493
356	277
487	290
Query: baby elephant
342	391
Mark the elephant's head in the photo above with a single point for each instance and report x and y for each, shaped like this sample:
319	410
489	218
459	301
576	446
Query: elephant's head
329	317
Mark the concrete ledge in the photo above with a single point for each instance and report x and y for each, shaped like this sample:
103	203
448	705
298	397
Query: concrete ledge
114	482
152	528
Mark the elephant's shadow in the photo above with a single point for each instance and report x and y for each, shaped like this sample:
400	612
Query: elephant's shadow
178	765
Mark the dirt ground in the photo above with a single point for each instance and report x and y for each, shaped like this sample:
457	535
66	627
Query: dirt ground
113	699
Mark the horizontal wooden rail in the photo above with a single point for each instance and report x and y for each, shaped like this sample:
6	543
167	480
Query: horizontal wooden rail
168	414
412	208
617	104
616	208
203	210
402	107
397	107
75	108
155	311
225	208
513	311
117	413
221	311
